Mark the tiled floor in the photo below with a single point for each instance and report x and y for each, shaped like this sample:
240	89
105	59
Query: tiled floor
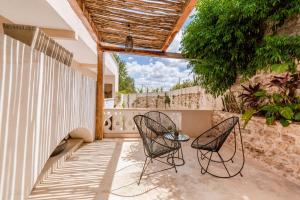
110	169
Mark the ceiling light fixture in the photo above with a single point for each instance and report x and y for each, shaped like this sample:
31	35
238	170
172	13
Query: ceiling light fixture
129	40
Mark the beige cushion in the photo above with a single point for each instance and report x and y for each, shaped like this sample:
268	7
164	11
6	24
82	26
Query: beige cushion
82	133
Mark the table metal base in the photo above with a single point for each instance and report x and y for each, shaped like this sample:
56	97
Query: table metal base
176	160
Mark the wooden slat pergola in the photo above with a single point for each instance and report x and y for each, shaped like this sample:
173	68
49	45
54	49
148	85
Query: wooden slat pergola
153	24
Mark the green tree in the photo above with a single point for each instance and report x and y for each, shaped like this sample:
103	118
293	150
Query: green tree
186	83
126	83
226	39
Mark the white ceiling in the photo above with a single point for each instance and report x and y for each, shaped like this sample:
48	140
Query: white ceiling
47	14
32	12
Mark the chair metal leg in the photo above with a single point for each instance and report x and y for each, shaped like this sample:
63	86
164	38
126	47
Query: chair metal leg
208	162
181	155
144	168
174	162
223	163
203	171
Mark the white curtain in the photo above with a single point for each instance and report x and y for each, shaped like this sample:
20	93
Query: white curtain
41	101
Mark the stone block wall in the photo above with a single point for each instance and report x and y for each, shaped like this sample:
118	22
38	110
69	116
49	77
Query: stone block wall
190	101
150	102
276	147
193	98
263	77
291	27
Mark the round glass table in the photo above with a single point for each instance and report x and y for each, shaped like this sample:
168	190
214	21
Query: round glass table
178	159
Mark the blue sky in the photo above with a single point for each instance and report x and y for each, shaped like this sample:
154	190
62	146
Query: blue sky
154	72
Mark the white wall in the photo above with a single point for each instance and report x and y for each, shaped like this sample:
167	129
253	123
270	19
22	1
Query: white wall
111	69
107	79
41	101
57	14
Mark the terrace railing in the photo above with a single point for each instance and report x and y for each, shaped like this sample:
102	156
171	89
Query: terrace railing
120	121
109	103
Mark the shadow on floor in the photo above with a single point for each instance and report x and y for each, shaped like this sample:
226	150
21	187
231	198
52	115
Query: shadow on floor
110	169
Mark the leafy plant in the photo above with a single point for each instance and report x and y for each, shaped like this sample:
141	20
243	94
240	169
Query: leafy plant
252	95
186	83
287	84
280	68
283	106
277	53
248	115
297	116
226	39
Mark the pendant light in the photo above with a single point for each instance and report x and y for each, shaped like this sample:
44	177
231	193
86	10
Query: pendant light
129	40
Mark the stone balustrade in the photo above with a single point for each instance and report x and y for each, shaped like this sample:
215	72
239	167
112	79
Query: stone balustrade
109	103
120	121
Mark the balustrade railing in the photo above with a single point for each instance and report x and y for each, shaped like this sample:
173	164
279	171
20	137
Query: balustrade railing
109	103
121	120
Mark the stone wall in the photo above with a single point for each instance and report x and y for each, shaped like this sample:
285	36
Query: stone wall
187	98
263	77
276	147
151	102
187	101
291	27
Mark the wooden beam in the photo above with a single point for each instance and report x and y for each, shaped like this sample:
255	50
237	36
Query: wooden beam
51	32
60	33
85	17
4	20
142	52
188	9
99	132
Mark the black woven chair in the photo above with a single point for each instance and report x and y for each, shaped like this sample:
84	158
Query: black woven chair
156	147
164	120
212	140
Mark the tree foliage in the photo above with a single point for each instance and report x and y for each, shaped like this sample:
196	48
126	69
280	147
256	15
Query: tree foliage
227	39
186	83
126	83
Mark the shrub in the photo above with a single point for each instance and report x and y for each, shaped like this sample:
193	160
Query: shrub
283	105
226	39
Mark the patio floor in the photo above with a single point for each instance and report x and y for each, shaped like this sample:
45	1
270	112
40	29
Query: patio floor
109	169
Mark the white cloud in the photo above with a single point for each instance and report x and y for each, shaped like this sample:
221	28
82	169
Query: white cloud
154	73
158	73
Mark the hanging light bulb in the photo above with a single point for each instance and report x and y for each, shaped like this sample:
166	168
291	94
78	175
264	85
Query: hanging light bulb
129	40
